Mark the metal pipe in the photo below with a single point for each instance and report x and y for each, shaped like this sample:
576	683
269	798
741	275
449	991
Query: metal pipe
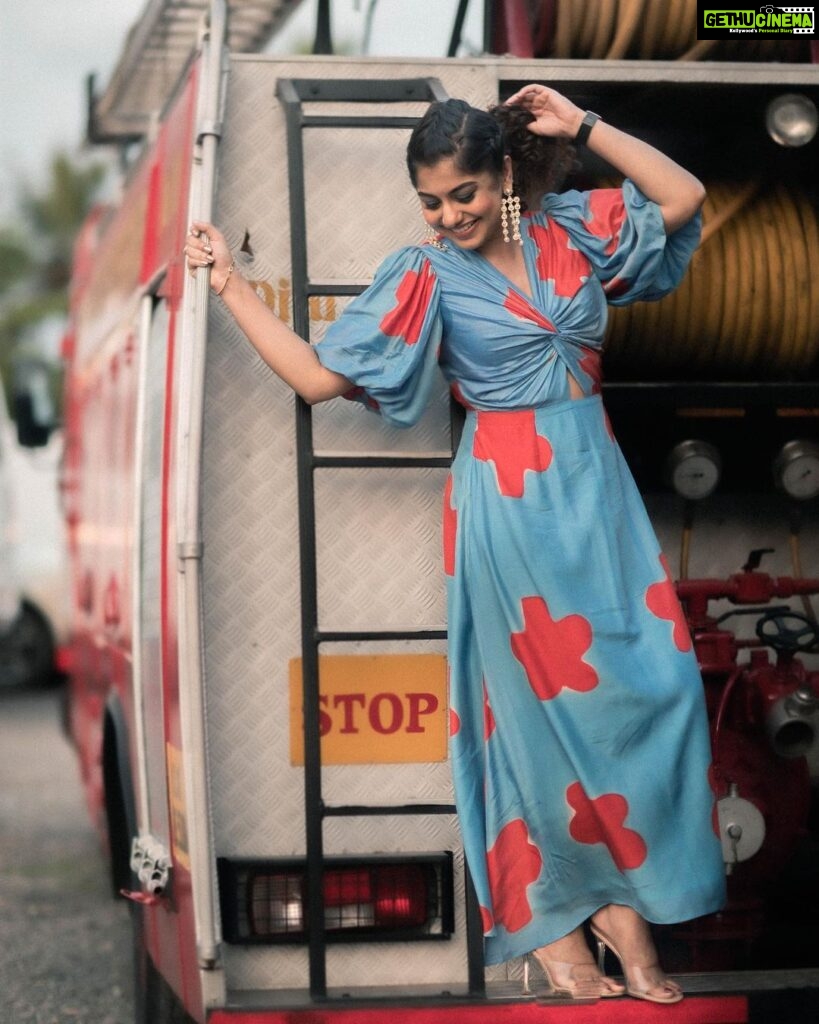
457	29
143	816
189	460
323	42
789	723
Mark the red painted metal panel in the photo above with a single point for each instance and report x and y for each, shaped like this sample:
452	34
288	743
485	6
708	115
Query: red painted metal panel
693	1010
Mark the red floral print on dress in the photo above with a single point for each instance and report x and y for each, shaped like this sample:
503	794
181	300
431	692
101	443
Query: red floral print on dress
489	724
662	601
551	650
450	529
607	213
513	863
718	790
356	392
454	722
457	394
601	821
523	310
591	365
558	260
616	286
510	440
406	320
486	920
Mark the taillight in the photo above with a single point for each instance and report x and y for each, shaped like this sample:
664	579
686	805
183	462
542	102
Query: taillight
265	901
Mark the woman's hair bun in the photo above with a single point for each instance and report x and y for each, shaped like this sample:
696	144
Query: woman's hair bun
541	163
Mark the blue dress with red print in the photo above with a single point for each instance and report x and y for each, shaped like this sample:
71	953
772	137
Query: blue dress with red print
579	737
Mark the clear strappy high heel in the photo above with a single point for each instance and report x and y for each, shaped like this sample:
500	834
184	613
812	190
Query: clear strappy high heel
639	980
575	981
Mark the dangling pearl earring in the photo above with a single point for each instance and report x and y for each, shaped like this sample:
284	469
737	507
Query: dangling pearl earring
510	212
432	238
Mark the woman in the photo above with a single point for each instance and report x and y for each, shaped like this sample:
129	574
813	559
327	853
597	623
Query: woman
580	744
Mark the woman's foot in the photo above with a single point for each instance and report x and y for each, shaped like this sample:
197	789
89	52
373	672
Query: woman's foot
571	971
628	936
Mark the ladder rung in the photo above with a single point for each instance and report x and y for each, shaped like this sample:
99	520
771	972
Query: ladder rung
316	288
368	810
363	121
340	635
374	460
297	91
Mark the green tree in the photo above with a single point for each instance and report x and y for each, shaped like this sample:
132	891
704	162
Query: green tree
35	259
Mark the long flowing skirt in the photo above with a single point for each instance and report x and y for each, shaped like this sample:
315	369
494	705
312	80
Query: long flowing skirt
579	738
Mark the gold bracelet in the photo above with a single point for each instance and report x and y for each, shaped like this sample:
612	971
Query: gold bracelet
227	276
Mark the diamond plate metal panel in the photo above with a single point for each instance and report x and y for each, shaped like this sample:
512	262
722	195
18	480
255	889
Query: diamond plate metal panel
378	531
342	426
379	547
251	597
263	967
375	203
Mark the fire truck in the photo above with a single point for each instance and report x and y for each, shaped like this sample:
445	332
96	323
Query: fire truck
257	650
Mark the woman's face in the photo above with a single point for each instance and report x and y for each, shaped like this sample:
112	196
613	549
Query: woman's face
464	208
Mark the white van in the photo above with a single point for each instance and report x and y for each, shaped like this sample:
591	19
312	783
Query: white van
32	556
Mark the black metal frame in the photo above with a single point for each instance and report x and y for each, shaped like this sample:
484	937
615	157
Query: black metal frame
293	94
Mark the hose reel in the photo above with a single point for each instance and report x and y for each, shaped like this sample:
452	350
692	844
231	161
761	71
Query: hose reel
748	306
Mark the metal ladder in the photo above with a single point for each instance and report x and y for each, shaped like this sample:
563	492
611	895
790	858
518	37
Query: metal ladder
293	94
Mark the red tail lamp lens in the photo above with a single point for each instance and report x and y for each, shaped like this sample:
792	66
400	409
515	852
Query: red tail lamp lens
380	899
401	896
380	896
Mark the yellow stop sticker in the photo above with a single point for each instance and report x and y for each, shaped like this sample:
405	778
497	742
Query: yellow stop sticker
375	709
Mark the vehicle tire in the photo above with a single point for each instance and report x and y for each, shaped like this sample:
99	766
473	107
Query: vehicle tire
27	651
154	1001
119	813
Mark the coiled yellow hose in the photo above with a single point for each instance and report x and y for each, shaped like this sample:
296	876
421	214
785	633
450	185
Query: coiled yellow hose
651	30
748	306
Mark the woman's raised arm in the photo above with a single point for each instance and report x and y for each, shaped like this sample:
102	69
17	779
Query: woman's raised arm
675	190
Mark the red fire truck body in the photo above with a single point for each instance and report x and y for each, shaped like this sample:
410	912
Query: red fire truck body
127	260
221	533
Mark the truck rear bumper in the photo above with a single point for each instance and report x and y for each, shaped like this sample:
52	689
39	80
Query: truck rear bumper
728	1009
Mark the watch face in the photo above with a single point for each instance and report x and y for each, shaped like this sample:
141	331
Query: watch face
800	477
695	477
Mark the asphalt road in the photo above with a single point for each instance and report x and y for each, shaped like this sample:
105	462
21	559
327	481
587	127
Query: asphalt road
65	943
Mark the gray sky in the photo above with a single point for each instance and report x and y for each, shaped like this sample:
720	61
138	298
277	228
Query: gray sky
48	47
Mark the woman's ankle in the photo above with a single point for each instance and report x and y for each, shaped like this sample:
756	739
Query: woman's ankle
569	948
629	931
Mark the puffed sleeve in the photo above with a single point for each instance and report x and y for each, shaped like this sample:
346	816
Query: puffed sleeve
387	340
622	234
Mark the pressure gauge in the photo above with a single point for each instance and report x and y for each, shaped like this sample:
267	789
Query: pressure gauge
796	469
693	469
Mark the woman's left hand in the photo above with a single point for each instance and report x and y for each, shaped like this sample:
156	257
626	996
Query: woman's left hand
555	116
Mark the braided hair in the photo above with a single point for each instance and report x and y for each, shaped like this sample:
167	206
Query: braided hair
541	163
478	140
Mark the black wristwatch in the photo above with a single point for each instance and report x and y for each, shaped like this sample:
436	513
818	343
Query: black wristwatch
590	119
